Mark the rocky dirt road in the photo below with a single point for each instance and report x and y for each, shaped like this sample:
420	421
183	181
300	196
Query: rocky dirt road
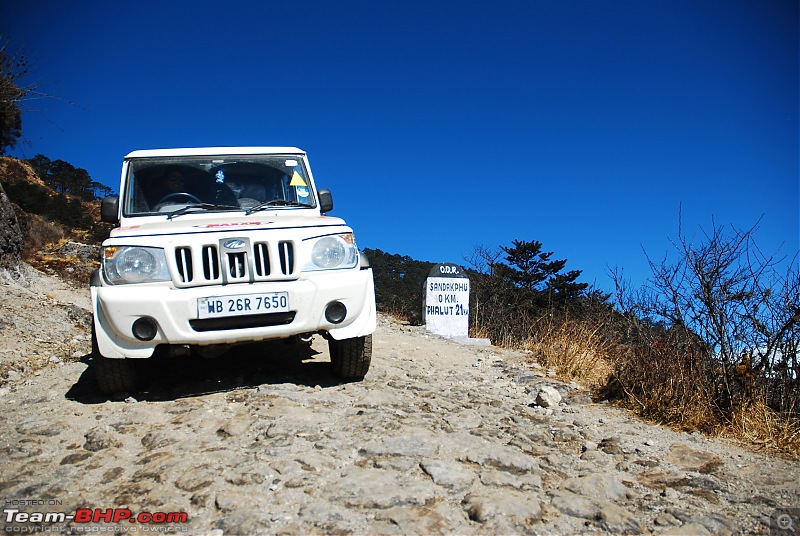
440	438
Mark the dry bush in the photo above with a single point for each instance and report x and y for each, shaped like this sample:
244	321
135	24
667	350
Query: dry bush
672	381
574	349
502	340
713	340
13	171
43	239
758	424
399	313
67	268
668	381
54	259
40	233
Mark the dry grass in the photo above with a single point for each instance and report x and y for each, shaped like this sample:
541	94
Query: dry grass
398	313
757	424
43	239
69	269
574	350
40	233
13	170
666	381
671	382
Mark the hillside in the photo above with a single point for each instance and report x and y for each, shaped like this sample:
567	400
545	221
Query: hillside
50	220
45	322
438	439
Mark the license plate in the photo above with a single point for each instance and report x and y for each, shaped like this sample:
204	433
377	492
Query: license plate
243	304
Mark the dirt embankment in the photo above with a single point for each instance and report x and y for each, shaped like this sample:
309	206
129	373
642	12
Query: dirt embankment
439	438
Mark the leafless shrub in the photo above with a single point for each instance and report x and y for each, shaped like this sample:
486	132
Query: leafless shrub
727	292
712	339
666	378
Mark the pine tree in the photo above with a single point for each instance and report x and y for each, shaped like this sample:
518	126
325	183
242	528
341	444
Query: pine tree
531	269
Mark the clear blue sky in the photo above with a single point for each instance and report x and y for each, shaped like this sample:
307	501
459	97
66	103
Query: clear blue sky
442	125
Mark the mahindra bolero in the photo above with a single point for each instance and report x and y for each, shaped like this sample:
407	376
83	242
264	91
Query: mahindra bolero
220	246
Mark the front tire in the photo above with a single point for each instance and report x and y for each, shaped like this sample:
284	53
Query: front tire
115	376
351	358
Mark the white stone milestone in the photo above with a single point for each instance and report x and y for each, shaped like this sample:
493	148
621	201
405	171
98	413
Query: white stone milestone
446	310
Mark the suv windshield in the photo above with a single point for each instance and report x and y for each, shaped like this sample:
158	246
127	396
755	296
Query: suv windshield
169	184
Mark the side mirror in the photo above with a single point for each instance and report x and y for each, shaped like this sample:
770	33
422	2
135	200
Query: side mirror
109	209
325	200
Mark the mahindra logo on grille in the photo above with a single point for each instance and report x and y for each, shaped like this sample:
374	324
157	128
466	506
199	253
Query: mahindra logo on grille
234	244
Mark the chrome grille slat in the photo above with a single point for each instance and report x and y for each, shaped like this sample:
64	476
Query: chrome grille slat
183	257
287	257
237	265
210	263
261	257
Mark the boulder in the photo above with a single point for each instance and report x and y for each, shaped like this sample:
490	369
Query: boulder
11	238
689	459
83	252
548	397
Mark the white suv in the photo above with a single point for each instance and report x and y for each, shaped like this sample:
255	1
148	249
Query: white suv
223	245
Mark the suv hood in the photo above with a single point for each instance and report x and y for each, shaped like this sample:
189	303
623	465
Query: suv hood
194	223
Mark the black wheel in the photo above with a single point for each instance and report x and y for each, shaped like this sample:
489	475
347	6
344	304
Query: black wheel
351	357
115	376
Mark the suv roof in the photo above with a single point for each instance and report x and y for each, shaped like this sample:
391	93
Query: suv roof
213	151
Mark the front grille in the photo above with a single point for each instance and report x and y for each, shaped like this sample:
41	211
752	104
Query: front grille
234	261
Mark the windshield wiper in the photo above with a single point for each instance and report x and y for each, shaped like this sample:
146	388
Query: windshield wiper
276	203
201	206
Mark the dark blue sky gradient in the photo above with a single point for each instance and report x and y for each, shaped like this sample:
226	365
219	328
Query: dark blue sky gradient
587	125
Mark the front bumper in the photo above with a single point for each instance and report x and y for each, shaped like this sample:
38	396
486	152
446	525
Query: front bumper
117	307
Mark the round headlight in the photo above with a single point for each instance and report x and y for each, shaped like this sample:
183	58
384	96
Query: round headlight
137	265
328	252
